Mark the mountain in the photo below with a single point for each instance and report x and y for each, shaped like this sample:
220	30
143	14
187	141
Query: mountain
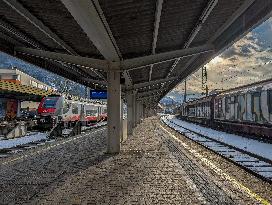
175	97
42	75
168	101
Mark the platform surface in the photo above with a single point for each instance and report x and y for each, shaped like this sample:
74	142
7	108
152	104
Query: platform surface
152	168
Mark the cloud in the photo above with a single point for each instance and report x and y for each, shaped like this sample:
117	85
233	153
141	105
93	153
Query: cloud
248	60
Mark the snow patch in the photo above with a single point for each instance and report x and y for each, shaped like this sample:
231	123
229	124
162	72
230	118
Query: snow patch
5	144
251	145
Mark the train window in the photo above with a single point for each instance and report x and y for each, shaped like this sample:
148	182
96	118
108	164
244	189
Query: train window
74	109
66	107
50	102
91	112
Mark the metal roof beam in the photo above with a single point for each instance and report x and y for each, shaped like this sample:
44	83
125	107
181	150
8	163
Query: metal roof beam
156	31
10	40
121	66
23	38
205	14
65	58
91	19
228	23
38	24
235	15
135	63
156	25
89	16
32	19
154	82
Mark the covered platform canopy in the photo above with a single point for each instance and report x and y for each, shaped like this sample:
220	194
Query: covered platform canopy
22	92
152	44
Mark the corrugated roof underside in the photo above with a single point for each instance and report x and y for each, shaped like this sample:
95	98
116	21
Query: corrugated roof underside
148	88
178	19
140	75
11	17
58	19
219	15
161	70
180	66
132	25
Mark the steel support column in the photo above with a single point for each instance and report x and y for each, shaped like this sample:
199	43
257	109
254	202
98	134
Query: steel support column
114	112
134	110
138	108
130	113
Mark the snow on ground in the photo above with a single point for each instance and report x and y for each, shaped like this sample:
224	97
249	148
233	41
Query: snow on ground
22	140
251	145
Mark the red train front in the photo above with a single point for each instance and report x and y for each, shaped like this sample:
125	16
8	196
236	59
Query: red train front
59	109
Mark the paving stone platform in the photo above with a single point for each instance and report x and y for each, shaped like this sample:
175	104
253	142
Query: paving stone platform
149	170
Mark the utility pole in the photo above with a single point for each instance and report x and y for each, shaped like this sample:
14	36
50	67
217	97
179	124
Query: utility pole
185	91
204	81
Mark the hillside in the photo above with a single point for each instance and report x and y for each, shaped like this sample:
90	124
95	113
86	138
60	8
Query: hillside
49	78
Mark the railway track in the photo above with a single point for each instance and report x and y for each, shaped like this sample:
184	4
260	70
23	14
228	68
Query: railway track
256	165
6	152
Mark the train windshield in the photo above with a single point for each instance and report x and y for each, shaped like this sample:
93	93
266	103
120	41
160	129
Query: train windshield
50	102
91	112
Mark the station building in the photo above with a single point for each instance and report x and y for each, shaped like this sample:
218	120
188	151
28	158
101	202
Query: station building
19	91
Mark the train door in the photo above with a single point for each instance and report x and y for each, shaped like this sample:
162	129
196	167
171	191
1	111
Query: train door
82	113
75	112
235	107
265	105
241	109
256	107
98	113
232	107
65	110
248	107
222	108
228	108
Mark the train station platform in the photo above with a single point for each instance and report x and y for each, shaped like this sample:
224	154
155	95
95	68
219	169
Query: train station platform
155	166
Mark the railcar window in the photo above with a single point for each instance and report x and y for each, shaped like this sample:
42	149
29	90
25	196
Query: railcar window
91	112
74	109
50	102
66	107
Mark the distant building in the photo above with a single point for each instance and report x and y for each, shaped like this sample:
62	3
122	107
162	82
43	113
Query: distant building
17	76
11	106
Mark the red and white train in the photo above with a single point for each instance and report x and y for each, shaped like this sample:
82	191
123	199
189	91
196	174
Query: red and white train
60	109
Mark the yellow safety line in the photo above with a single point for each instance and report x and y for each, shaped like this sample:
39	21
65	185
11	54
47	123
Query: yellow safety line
219	171
48	148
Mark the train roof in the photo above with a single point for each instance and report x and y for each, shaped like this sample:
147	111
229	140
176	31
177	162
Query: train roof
253	87
200	99
80	100
257	86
